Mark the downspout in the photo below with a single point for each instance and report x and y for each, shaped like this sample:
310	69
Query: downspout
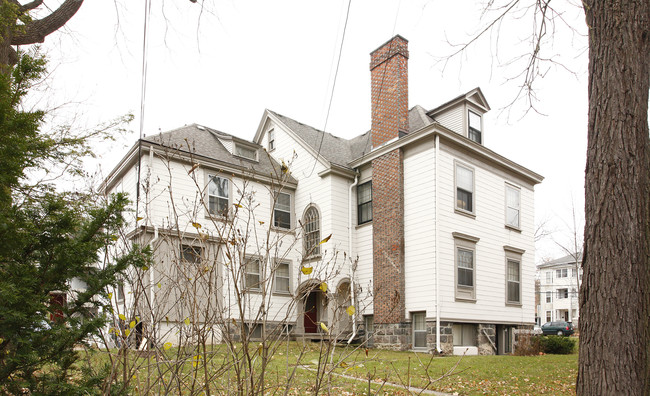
435	237
354	319
152	294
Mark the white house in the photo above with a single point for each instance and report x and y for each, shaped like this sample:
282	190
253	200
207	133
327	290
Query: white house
559	281
431	231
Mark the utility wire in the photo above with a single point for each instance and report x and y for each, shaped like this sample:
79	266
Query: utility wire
143	91
336	72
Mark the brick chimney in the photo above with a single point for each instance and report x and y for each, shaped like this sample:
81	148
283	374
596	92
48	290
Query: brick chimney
389	75
389	79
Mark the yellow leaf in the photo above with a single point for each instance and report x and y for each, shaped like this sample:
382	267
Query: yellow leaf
261	222
196	225
139	218
323	287
238	205
127	332
1	341
121	316
110	296
167	319
114	237
343	364
187	321
259	349
159	285
132	324
307	270
137	318
144	268
167	345
351	310
325	329
134	377
326	239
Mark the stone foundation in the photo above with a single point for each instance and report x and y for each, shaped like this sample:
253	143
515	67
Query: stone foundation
393	336
487	339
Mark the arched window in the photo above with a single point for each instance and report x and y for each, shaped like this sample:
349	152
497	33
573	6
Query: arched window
312	232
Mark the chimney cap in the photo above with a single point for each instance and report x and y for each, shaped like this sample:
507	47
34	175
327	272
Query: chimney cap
387	42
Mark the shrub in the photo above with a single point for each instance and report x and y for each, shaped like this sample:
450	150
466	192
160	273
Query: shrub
527	345
557	345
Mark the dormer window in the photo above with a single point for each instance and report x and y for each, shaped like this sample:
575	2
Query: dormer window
474	131
245	152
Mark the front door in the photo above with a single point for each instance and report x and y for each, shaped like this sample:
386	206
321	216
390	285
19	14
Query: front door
311	313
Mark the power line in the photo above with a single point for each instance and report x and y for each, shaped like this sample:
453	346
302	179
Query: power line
336	72
143	91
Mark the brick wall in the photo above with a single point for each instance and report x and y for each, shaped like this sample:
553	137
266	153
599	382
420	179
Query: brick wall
389	78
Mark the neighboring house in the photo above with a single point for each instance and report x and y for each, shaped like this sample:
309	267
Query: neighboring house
434	231
558	291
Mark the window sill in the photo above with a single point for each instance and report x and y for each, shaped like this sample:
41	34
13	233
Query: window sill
281	294
513	228
465	299
221	219
313	258
514	304
465	213
283	230
367	223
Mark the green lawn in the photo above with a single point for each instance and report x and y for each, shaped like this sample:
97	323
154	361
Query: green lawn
470	375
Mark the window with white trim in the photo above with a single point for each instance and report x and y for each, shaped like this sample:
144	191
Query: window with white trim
282	278
513	280
513	206
561	273
465	266
282	210
218	195
548	316
271	138
562	293
245	152
464	188
419	329
191	254
364	202
549	297
252	274
474	131
311	224
549	276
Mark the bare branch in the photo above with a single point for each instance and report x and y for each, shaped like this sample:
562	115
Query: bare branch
36	31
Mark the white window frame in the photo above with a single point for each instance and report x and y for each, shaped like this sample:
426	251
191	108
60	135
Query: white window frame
419	327
561	273
465	243
241	148
513	207
196	253
277	209
276	275
549	277
513	255
563	293
470	129
549	297
311	231
549	316
247	271
218	198
271	139
472	193
461	331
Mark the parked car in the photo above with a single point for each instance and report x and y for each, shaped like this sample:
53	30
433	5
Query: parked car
537	329
557	328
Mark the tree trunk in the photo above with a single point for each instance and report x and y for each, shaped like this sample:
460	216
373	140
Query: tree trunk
615	294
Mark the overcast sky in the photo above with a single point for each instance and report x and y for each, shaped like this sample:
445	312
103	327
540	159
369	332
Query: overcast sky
222	64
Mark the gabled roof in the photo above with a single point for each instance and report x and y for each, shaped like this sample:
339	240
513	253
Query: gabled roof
562	261
340	151
202	141
475	96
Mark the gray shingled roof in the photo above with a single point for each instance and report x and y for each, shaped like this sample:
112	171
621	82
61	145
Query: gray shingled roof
202	141
569	259
341	151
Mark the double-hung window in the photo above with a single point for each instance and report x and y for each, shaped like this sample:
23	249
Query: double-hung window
474	130
465	259
271	138
561	273
513	206
562	293
513	287
282	210
549	277
282	278
252	274
549	297
218	195
364	202
419	330
464	188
